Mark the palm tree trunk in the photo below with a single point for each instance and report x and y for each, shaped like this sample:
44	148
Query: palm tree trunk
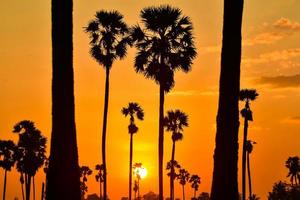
101	191
172	172
138	188
63	173
33	187
4	185
161	141
194	193
244	159
249	176
130	165
104	133
183	194
224	183
43	191
22	187
28	186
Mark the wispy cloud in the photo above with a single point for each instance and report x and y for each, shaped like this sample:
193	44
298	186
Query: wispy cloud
291	120
280	81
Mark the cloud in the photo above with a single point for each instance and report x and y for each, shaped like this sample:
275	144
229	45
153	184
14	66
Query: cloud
280	81
291	120
286	24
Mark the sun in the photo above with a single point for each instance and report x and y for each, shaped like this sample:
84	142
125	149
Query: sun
141	172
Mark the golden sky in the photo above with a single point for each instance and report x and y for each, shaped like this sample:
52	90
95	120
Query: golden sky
270	63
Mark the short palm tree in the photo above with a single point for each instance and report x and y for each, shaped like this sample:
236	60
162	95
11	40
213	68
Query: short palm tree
183	177
173	167
293	164
85	171
174	122
164	45
99	177
7	159
30	153
246	95
195	182
108	43
132	110
249	149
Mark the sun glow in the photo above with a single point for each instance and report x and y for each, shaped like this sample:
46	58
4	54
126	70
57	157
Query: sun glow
140	172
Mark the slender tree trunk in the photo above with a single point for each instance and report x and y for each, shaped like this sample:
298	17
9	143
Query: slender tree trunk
183	194
138	188
172	172
33	187
101	191
43	191
244	159
104	133
130	165
161	141
249	176
224	183
194	193
4	185
28	187
63	174
22	187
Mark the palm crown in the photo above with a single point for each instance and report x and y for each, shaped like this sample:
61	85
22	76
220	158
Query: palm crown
247	95
108	34
293	164
183	176
7	154
175	121
132	110
164	45
195	181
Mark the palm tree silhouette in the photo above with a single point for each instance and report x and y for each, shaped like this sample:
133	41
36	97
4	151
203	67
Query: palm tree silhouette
164	45
225	179
174	122
293	164
108	43
133	109
100	177
183	177
249	149
85	171
63	161
246	95
7	159
195	182
30	153
172	167
44	184
135	188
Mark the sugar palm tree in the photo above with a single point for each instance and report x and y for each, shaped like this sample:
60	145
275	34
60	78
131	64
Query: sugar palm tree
30	153
195	182
173	167
99	177
293	164
133	110
174	122
63	135
183	177
225	181
164	45
246	95
108	33
7	159
249	149
85	171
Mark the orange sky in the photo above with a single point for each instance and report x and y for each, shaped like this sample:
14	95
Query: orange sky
271	64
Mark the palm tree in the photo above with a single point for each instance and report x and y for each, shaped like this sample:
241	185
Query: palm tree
174	122
173	166
108	43
224	183
136	168
30	153
249	149
85	171
135	188
246	95
183	177
293	164
164	45
46	167
99	177
63	161
7	159
132	110
195	182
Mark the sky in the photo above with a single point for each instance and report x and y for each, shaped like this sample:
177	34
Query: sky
270	64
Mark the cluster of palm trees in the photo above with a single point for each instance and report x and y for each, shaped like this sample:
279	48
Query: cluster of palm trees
28	155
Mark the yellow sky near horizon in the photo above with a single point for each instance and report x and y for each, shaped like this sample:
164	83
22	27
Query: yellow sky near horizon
270	63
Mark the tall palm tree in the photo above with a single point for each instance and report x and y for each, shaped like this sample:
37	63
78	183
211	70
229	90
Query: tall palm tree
174	122
183	177
85	171
7	159
249	149
195	182
246	95
133	109
99	177
63	162
30	153
164	45
108	33
224	183
293	164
